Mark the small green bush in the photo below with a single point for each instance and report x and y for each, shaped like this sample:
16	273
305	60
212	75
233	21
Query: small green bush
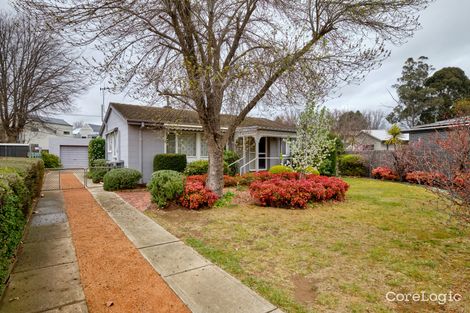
230	157
200	167
121	178
50	160
312	170
99	169
96	150
164	186
279	169
170	161
352	165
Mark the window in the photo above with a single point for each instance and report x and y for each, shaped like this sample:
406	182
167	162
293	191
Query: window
112	142
187	144
171	143
66	132
285	151
204	152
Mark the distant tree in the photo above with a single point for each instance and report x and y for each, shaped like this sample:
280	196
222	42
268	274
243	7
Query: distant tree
445	87
36	75
412	93
289	117
214	56
78	124
375	119
461	108
395	135
348	124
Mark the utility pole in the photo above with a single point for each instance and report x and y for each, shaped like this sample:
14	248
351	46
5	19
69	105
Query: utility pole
103	90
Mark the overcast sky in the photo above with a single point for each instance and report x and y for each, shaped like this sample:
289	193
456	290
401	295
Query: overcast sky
444	37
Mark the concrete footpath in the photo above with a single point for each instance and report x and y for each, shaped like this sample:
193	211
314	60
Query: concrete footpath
46	277
202	286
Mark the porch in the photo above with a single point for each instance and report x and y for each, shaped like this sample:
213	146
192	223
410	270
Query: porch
259	150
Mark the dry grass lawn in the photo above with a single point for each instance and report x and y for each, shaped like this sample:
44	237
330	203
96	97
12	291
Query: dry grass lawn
336	257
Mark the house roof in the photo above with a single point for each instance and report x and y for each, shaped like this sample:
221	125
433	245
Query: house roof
50	120
383	135
170	116
96	128
441	124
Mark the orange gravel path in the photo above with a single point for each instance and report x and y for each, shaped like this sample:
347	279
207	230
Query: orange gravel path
111	268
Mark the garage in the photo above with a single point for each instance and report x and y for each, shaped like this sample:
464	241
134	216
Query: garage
74	156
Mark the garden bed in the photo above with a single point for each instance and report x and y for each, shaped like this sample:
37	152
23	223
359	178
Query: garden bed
335	256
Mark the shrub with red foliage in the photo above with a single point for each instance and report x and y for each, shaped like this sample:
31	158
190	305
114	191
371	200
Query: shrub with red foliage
281	191
425	178
384	173
196	196
230	181
197	178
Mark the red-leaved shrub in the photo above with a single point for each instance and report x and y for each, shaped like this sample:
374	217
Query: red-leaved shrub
196	196
229	181
197	178
425	178
384	173
297	193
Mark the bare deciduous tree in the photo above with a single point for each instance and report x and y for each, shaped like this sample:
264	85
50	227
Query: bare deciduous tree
232	55
36	76
375	118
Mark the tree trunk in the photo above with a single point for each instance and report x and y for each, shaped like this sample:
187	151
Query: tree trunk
215	177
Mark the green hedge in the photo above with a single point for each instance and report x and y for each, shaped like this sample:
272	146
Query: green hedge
164	186
169	161
96	150
99	168
230	157
352	165
50	160
201	167
121	178
20	182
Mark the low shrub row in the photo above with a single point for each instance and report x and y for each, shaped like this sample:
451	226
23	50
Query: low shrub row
352	165
20	182
286	192
166	186
121	178
50	160
98	169
384	173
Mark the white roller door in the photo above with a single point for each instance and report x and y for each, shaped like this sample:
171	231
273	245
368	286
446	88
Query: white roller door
74	156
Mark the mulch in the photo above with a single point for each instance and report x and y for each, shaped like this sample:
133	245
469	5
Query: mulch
114	275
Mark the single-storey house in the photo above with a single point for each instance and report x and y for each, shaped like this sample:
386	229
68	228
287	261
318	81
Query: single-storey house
135	134
375	140
427	132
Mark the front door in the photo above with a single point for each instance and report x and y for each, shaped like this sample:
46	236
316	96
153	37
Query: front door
262	154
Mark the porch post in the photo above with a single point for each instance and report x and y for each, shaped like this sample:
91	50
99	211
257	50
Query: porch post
257	153
244	152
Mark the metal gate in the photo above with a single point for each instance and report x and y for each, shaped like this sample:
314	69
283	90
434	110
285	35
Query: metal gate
65	178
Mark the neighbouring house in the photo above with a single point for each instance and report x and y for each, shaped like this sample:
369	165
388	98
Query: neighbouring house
135	134
40	130
374	140
428	132
87	131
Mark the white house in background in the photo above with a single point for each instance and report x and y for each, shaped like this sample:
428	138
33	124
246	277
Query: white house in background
41	129
135	134
87	131
375	139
